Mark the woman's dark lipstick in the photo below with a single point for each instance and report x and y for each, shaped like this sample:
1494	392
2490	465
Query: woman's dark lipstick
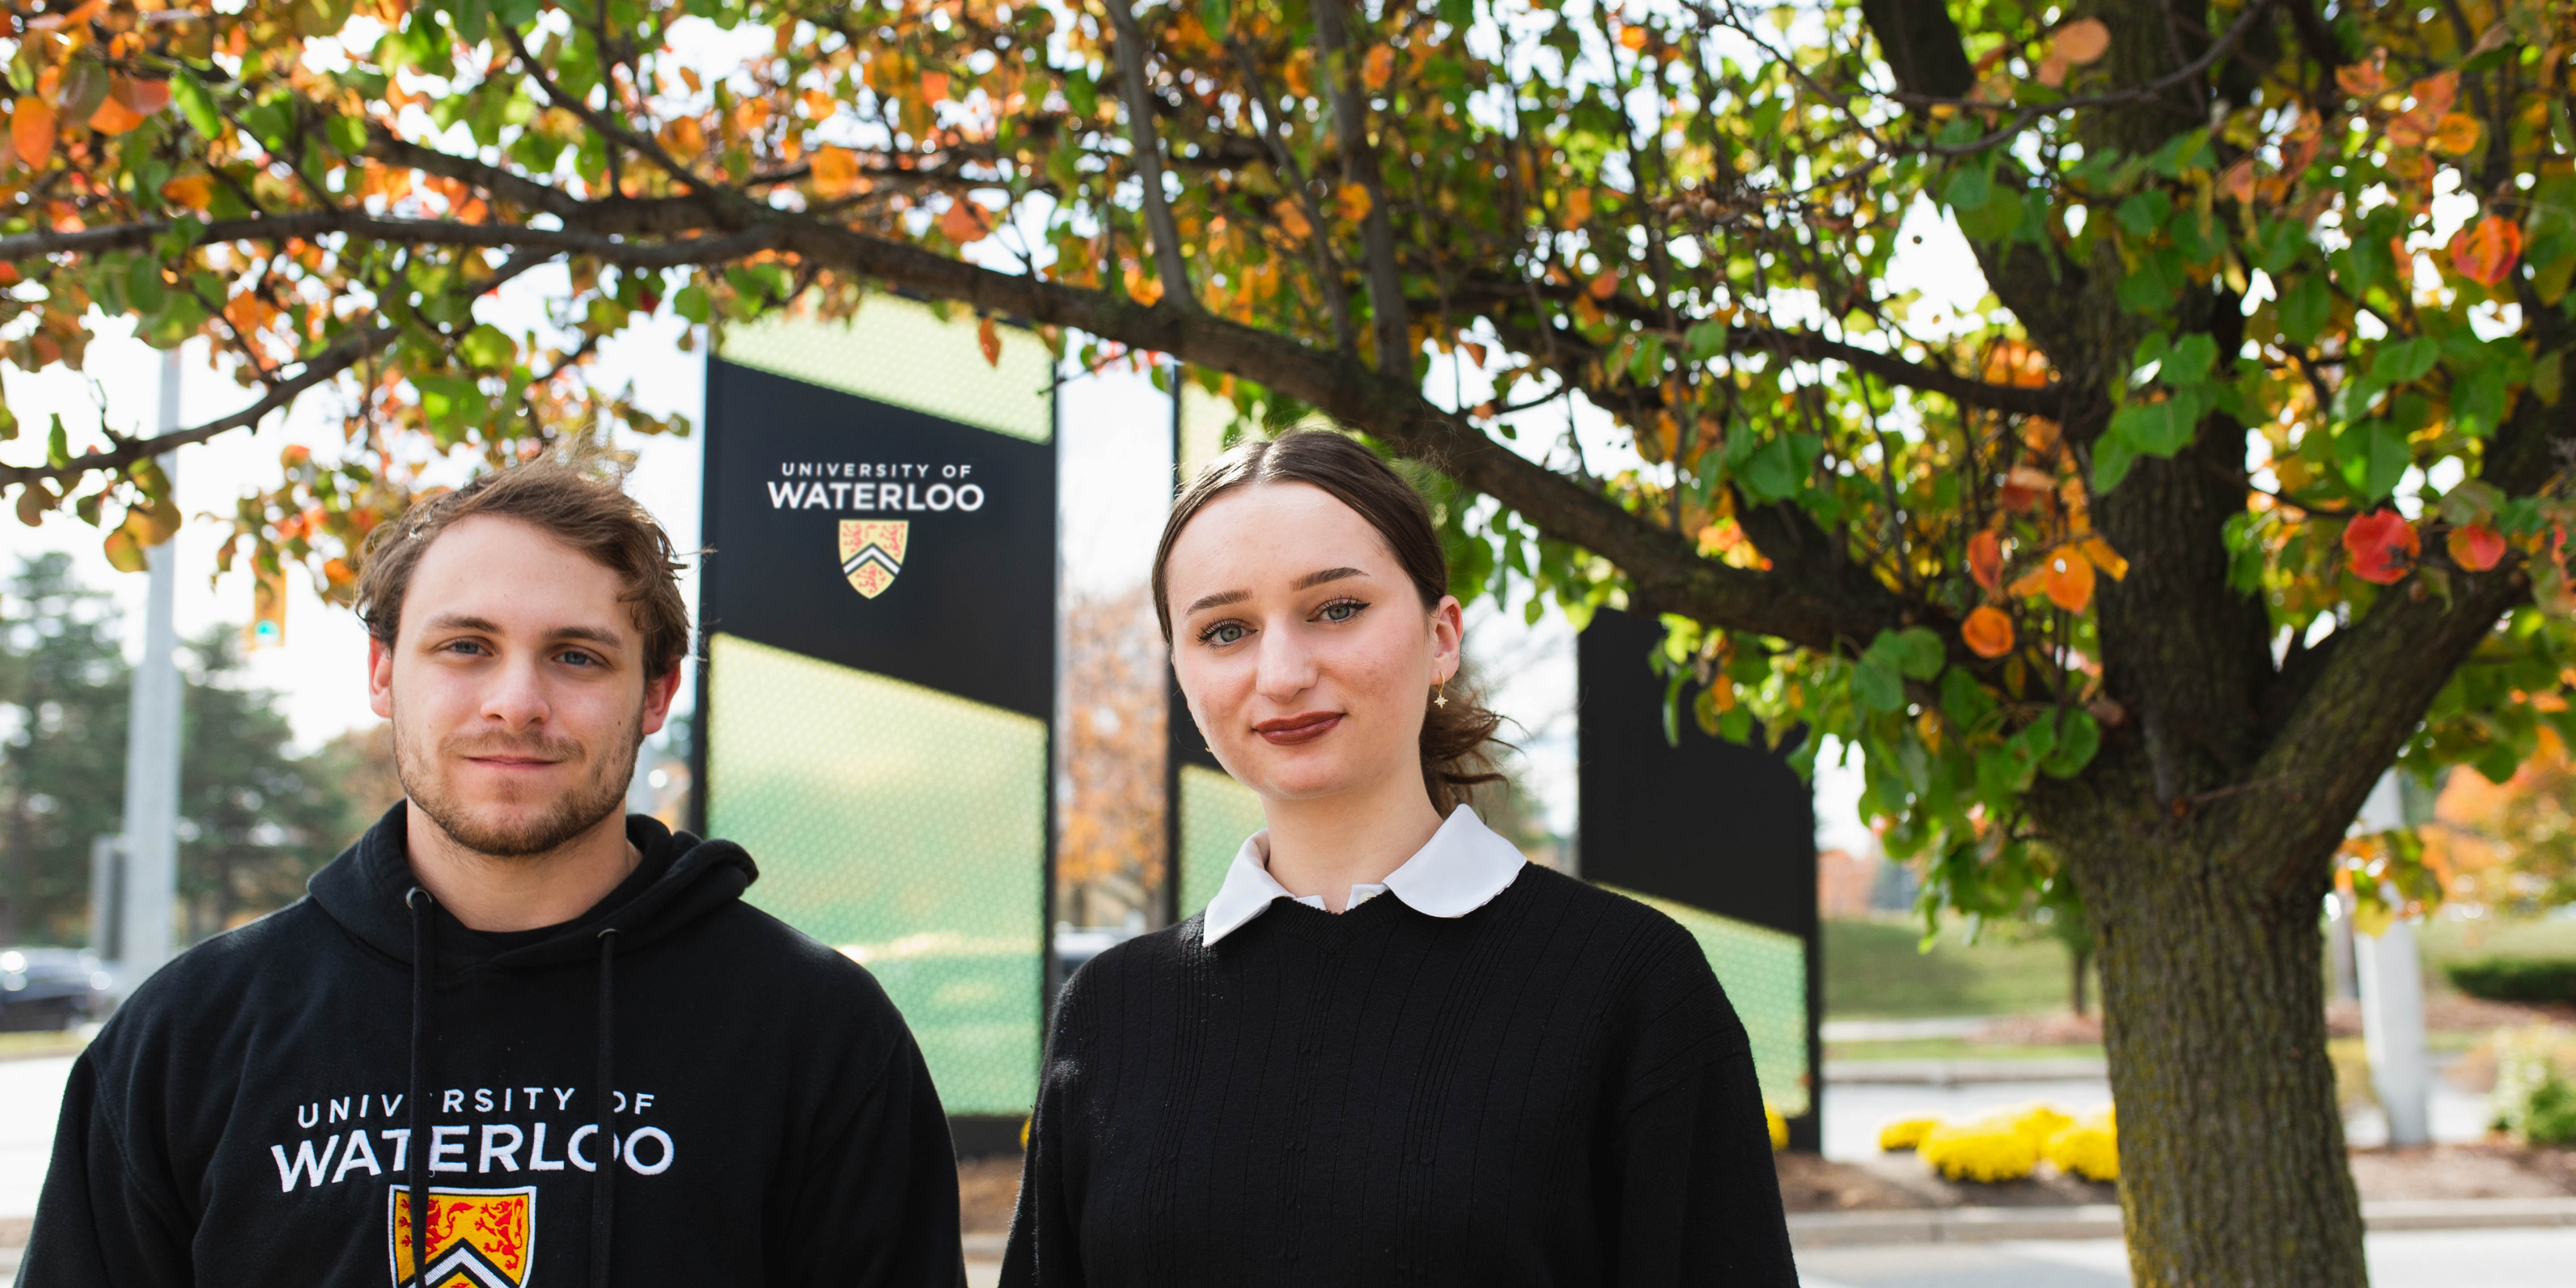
1288	731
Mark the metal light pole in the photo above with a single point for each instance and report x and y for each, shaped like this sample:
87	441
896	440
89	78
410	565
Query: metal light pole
150	888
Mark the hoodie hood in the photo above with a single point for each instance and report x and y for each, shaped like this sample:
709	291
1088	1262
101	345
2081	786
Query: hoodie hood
684	878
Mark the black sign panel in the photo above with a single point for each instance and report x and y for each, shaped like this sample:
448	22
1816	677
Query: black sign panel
1710	823
798	490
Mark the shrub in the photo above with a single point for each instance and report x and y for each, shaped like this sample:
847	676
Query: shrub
2533	1100
2516	979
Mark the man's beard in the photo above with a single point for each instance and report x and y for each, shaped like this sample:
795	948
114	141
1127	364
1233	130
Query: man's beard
541	832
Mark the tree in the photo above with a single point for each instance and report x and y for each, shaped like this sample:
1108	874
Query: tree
63	687
2247	482
256	821
1109	808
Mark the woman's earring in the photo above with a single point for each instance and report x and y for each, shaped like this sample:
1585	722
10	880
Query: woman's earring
1439	698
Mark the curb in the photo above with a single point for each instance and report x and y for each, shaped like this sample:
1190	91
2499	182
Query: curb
2102	1221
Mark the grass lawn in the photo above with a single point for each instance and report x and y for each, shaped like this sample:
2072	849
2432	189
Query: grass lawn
1874	970
1958	1049
2443	940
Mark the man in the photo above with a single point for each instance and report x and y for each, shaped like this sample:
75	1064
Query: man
552	1027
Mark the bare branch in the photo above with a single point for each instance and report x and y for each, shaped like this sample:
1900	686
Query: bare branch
1147	152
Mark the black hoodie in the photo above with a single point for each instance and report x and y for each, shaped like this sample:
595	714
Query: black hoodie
256	1112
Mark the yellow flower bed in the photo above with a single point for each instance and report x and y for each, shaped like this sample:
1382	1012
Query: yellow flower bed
1982	1149
2089	1148
1905	1133
1779	1127
2008	1144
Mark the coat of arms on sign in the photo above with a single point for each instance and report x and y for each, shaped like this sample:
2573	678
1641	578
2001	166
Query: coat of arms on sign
872	553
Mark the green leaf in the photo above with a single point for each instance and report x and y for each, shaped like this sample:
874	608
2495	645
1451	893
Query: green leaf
2159	428
487	346
692	303
2305	305
58	448
2112	456
1964	700
1914	653
2078	737
1705	341
347	133
1877	687
2403	360
1969	189
189	95
2145	212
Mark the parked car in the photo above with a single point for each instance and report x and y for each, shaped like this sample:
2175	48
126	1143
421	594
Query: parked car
51	988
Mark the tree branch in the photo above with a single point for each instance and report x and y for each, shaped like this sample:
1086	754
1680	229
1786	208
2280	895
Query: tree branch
1147	152
1377	233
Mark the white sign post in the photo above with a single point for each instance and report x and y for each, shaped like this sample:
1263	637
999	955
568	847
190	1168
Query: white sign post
151	878
2392	996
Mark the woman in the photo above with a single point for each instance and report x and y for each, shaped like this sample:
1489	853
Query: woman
1389	1050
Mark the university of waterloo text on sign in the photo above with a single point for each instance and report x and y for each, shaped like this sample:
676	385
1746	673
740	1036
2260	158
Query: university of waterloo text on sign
876	485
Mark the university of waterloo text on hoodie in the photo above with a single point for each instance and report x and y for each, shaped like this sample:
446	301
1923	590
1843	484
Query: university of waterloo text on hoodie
675	1089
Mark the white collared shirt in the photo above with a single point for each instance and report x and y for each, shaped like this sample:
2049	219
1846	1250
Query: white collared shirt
1460	869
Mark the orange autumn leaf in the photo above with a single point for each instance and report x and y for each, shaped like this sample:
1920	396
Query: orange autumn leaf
964	222
836	170
190	190
989	340
2362	80
2102	556
2081	41
2381	547
2435	94
1986	561
31	131
2458	134
2486	253
113	118
2067	577
2411	130
1606	285
2475	547
1633	37
685	138
1354	201
1292	220
144	96
1987	632
1578	207
2237	184
1380	67
2024	487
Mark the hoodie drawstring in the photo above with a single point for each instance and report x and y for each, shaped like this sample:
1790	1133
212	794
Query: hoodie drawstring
424	930
603	1198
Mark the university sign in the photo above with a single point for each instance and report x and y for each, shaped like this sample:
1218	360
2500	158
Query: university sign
879	601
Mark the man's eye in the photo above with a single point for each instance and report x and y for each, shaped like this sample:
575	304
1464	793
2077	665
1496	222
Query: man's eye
580	659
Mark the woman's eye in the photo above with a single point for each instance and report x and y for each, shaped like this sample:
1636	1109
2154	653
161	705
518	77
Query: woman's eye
1222	633
1341	610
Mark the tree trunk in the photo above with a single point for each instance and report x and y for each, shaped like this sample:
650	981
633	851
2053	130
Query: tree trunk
2232	1162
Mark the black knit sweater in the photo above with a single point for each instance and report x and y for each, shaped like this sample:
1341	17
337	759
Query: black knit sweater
1550	1090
